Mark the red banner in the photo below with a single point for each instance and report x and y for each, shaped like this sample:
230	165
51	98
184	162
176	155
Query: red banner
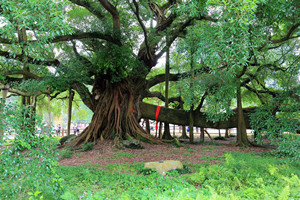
156	116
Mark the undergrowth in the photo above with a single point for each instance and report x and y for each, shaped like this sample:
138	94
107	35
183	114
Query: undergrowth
241	176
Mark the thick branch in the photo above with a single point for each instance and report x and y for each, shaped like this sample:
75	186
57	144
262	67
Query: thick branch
85	95
114	13
22	72
19	92
160	96
260	91
88	5
31	60
174	77
5	41
97	35
136	12
181	117
288	34
161	78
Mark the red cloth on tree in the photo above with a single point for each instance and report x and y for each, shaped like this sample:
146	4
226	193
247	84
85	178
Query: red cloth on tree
156	116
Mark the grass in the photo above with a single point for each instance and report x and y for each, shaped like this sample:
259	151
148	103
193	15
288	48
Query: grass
126	155
240	176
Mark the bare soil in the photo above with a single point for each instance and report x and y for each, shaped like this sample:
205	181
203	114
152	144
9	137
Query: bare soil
104	153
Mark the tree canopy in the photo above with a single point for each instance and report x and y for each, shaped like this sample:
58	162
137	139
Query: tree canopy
233	52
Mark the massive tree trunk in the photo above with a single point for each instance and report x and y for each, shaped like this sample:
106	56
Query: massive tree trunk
114	117
242	139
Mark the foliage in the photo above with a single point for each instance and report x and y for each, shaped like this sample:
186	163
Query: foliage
65	153
47	22
28	165
242	176
280	127
289	147
247	176
87	146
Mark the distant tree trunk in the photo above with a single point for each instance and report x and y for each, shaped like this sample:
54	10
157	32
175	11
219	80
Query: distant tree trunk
220	133
49	109
34	99
148	129
191	125
71	96
242	139
226	133
2	102
202	134
160	130
174	130
1	109
191	118
167	134
183	135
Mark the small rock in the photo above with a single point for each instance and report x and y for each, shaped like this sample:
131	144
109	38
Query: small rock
132	144
163	166
66	139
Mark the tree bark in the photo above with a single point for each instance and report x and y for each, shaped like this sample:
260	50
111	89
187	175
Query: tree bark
148	129
71	96
114	118
183	135
160	130
226	133
49	109
191	125
181	117
167	134
242	139
202	134
2	102
191	118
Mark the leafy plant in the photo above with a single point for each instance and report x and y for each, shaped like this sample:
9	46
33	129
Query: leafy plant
120	155
65	153
87	146
30	162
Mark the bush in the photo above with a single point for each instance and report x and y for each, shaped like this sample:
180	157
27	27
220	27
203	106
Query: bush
65	153
87	146
28	166
289	147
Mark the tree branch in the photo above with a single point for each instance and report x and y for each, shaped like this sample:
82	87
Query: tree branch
288	35
97	35
31	60
5	41
88	5
85	95
22	72
19	92
148	94
173	77
114	13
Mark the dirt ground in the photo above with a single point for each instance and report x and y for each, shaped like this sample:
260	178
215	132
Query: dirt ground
104	153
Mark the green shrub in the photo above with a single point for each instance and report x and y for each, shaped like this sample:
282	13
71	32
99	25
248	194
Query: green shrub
65	153
147	171
28	166
87	146
289	147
